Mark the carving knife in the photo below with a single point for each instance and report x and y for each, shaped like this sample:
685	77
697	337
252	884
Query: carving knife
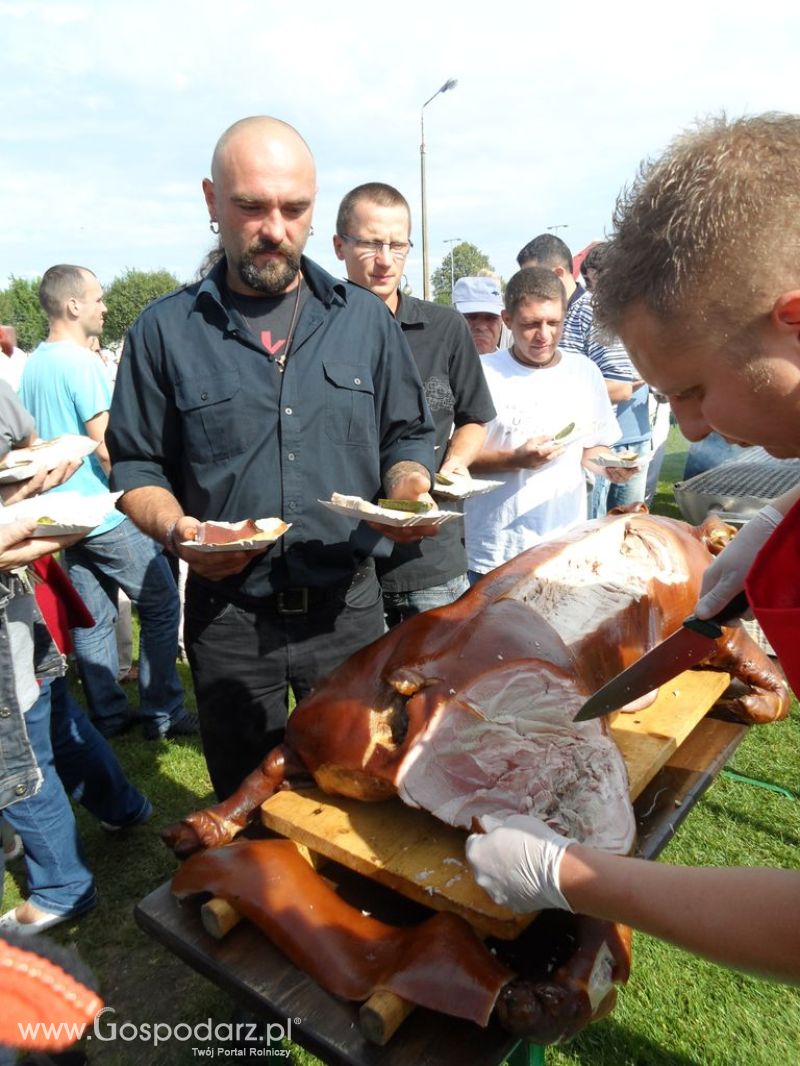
690	644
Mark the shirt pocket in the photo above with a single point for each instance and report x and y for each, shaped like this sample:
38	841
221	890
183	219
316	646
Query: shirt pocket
214	418
349	404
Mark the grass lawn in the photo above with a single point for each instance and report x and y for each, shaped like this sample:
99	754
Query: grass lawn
675	1011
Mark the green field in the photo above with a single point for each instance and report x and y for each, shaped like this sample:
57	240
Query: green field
675	1011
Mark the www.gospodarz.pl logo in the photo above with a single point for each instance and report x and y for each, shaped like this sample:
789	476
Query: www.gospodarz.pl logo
210	1039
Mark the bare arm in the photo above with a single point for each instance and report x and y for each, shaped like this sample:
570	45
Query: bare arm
618	391
535	452
96	429
158	514
744	918
464	447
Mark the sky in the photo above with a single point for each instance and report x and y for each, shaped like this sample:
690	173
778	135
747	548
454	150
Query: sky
111	109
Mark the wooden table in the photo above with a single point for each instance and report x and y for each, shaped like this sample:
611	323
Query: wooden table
260	978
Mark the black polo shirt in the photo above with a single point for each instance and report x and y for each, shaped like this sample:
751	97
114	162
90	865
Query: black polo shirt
457	394
200	410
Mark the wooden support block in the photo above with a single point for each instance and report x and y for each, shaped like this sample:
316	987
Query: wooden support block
382	1015
218	918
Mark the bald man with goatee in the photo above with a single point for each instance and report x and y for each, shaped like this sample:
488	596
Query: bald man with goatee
256	393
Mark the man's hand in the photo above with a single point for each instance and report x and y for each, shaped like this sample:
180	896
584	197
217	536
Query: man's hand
454	466
407	481
213	566
18	547
39	482
536	452
617	474
517	863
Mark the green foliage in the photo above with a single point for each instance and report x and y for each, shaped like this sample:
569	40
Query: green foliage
19	307
128	295
468	259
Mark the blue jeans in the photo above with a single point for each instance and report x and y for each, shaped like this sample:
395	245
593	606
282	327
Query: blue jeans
608	494
87	765
398	606
125	558
59	880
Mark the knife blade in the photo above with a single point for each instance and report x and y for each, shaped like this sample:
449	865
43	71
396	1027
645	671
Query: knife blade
686	646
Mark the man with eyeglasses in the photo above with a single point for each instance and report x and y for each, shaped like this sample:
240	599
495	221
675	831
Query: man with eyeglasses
258	392
372	238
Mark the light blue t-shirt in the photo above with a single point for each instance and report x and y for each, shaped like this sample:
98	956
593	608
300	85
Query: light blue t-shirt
64	387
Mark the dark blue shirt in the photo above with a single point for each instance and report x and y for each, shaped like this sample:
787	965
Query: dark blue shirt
457	394
200	410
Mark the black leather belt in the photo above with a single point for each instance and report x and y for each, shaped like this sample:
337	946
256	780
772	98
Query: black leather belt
291	602
297	601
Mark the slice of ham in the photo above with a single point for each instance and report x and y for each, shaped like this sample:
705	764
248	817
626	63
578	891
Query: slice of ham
348	953
216	533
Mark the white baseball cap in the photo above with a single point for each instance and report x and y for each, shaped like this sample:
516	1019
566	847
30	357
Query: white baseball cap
471	295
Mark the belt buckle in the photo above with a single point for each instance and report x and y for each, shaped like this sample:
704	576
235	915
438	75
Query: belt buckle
292	601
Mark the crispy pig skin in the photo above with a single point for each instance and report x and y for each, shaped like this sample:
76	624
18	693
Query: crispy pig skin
440	963
578	609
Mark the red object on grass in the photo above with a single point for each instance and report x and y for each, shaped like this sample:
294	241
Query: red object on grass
61	606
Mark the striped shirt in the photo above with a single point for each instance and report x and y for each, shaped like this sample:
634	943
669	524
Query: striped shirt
579	336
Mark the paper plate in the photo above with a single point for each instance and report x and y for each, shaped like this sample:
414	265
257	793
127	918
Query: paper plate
22	463
274	528
355	507
69	512
621	464
464	487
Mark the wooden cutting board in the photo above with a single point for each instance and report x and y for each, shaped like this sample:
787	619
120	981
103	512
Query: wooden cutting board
423	859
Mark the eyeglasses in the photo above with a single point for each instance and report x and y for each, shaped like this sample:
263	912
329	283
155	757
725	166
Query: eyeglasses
369	249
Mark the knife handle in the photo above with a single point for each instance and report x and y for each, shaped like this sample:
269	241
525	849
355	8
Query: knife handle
712	627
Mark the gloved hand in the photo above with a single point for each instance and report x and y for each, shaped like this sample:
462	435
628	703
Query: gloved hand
517	862
726	575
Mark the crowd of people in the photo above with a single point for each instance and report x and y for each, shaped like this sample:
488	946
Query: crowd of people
269	383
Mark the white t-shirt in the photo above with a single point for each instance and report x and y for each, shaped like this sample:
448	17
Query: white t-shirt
532	505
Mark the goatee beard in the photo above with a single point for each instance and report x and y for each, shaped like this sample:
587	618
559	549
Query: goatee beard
272	277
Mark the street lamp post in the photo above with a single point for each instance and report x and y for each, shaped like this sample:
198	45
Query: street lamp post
555	229
452	241
449	84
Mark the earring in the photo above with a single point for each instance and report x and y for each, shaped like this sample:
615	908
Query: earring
212	222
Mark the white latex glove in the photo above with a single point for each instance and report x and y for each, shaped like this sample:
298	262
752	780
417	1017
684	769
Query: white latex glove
726	575
517	862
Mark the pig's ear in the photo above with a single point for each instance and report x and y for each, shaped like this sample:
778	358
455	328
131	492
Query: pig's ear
786	311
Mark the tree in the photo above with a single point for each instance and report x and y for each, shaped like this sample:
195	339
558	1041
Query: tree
20	308
128	295
467	261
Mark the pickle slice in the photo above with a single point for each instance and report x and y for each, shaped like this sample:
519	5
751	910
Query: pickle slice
565	432
408	506
45	521
442	479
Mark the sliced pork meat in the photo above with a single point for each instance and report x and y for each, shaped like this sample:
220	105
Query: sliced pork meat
466	710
